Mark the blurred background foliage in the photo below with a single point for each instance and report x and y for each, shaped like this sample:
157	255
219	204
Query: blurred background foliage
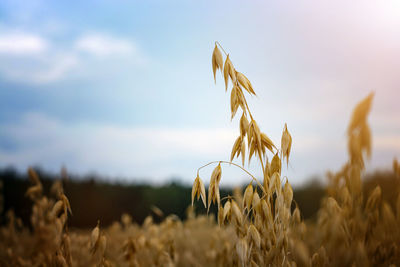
93	197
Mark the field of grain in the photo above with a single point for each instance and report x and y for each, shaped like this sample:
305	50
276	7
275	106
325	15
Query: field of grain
260	226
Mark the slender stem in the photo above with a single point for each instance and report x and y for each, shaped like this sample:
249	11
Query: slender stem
262	165
231	163
212	162
227	197
248	109
217	43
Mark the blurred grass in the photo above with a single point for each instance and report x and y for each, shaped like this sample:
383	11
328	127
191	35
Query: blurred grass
93	198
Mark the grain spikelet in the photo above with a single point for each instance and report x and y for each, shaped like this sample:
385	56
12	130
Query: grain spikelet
288	194
256	202
255	235
286	144
236	147
296	216
236	212
235	101
245	83
275	164
213	190
198	190
248	197
229	71
244	126
267	142
227	210
217	61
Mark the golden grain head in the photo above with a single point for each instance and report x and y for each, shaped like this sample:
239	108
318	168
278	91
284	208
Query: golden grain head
213	189
254	235
236	212
245	83
255	203
288	194
229	72
267	142
275	165
286	144
248	197
244	125
199	190
236	149
217	61
226	210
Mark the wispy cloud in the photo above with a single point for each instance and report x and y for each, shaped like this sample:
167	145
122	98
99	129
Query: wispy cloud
22	44
104	45
31	58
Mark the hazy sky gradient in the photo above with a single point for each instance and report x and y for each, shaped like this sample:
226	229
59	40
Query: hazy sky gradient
125	88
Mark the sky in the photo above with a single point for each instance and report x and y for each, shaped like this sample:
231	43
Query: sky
125	88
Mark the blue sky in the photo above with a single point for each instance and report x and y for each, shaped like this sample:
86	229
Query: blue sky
125	88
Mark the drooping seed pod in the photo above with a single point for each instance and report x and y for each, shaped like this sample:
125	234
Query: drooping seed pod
248	197
255	235
229	71
217	61
236	212
288	194
227	210
275	165
286	144
243	125
199	190
245	83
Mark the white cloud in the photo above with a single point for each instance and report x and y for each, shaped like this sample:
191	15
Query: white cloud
29	58
103	45
57	69
53	66
22	44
